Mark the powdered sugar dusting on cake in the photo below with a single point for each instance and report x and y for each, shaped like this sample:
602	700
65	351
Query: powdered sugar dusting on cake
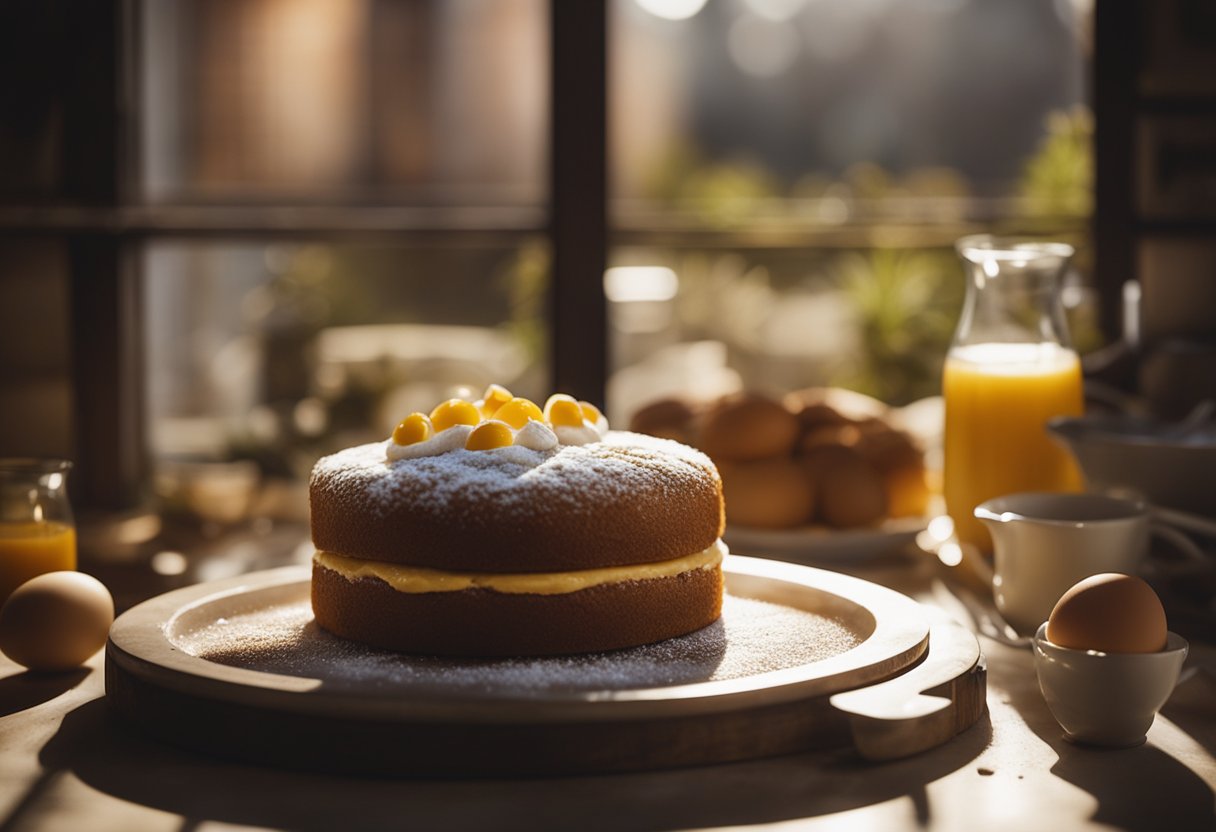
568	474
752	637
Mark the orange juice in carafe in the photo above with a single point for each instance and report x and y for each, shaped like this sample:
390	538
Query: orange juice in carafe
998	399
1008	372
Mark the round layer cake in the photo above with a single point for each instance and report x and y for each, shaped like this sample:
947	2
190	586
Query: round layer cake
510	535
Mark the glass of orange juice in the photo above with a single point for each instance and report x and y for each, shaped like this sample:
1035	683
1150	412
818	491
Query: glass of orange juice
1010	369
37	533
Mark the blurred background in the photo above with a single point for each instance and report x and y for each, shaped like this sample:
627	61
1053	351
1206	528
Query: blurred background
235	235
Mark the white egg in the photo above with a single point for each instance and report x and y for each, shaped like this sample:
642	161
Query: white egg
56	621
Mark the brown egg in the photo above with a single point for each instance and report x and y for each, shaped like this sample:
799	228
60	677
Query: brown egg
769	493
1111	613
56	621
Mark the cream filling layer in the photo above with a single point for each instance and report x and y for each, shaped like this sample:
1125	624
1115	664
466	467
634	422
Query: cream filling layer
416	579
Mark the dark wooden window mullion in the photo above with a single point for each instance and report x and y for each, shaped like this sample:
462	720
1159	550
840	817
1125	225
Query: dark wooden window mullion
1115	64
108	373
578	195
107	331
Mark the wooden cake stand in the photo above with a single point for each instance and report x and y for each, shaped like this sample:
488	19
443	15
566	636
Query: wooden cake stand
906	685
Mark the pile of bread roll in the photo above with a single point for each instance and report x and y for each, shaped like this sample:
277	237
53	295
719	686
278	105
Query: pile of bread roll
819	456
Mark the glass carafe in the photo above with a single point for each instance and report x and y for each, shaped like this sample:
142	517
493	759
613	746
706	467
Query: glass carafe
37	533
1009	370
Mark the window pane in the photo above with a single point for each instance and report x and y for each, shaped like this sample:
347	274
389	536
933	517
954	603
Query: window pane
871	319
786	98
414	101
802	168
276	353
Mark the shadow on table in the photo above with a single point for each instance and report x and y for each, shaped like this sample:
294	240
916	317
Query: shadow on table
101	752
27	689
1129	783
1192	707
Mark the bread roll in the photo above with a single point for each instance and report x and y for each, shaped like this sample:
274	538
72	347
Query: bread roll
769	493
907	489
747	426
848	404
670	418
899	461
849	492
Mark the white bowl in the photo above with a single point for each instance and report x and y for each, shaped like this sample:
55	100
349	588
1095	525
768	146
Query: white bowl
1128	454
1107	699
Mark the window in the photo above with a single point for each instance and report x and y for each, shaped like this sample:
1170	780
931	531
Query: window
281	224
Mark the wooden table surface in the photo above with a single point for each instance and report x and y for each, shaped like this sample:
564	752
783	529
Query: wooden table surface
65	765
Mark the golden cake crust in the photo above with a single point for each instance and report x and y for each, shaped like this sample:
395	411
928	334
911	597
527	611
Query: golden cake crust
480	622
626	500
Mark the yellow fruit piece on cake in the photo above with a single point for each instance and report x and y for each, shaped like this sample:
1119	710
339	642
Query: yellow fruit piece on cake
517	412
563	412
454	412
413	429
590	412
488	435
495	397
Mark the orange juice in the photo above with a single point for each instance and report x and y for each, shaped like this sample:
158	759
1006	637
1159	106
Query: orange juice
32	547
998	400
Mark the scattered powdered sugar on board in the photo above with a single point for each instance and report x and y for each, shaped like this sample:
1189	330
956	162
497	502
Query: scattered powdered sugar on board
751	637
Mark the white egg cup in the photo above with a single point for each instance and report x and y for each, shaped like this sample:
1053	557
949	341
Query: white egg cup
1106	699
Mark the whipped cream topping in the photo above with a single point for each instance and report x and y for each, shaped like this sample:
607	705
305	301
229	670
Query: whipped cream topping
534	435
584	434
442	442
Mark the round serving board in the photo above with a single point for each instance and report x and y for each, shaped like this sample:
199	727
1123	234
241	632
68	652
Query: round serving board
237	668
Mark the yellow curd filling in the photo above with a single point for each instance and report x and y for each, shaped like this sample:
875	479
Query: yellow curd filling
416	579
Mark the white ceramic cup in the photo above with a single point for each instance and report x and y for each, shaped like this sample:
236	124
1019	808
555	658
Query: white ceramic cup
1106	699
1045	543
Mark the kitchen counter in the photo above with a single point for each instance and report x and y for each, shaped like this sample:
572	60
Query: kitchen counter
64	764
